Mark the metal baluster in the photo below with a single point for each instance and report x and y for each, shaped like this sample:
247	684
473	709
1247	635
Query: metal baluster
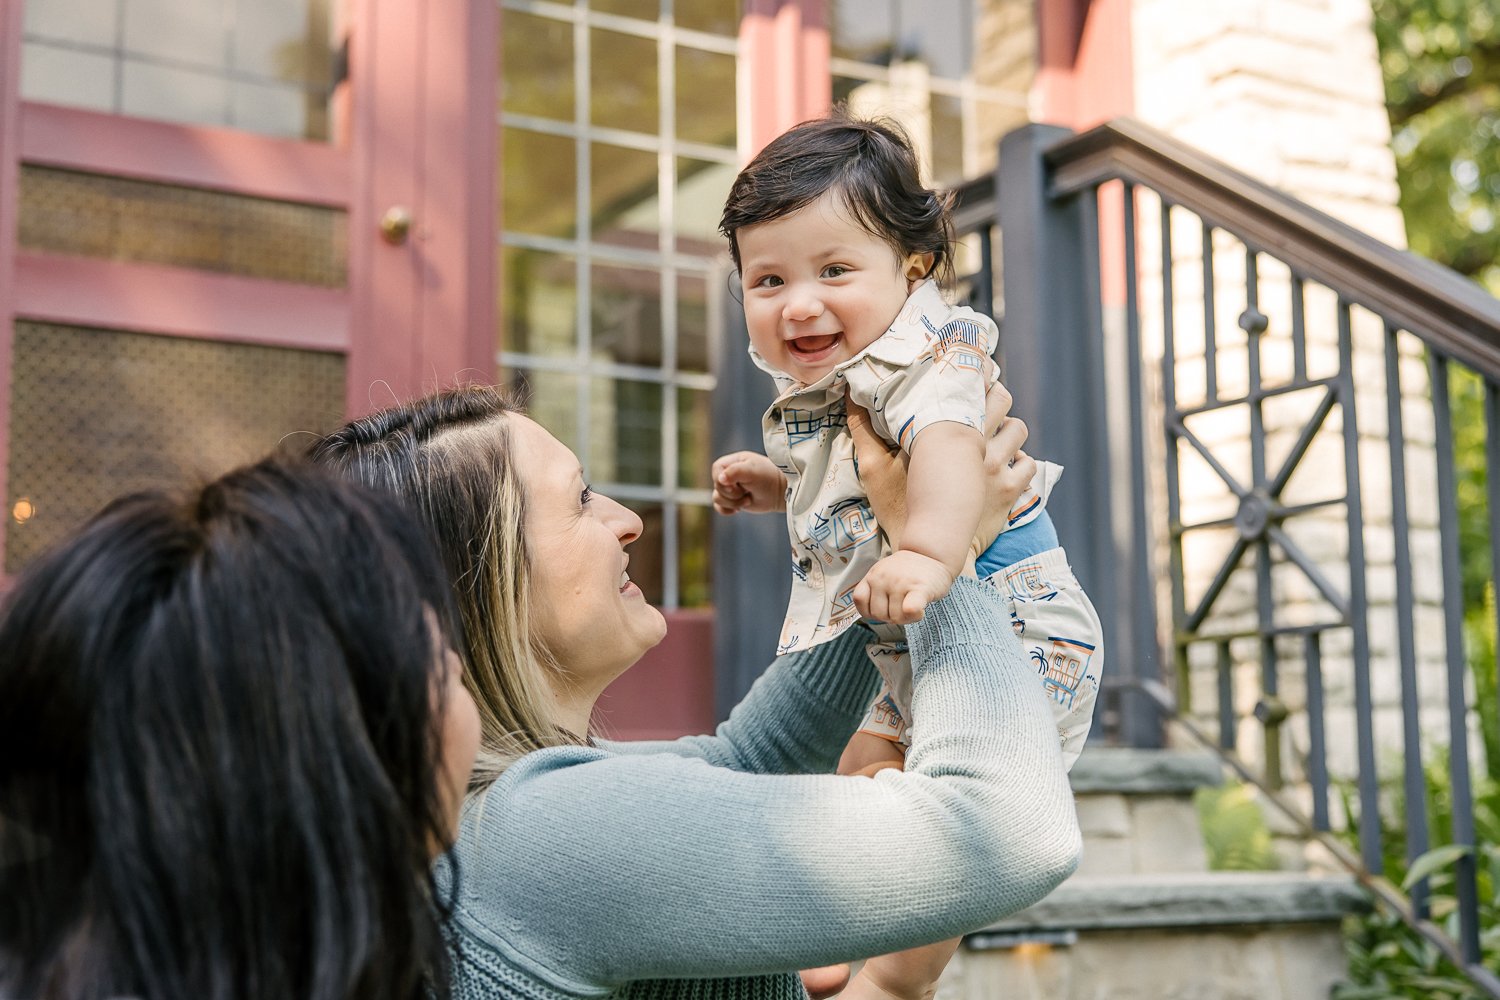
1411	726
1252	525
1317	745
1458	733
1226	697
1174	499
1492	481
1364	722
1143	647
1299	331
1210	346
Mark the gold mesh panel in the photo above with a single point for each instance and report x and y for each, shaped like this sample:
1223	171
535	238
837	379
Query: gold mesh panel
92	215
97	413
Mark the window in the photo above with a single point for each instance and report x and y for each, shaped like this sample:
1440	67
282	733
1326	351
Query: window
934	66
263	66
618	146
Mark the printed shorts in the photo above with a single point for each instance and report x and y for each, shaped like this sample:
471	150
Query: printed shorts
1059	630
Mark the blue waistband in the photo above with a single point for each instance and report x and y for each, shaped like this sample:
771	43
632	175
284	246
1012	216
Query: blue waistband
1016	544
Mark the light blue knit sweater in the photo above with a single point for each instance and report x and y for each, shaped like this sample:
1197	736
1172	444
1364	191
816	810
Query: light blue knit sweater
711	867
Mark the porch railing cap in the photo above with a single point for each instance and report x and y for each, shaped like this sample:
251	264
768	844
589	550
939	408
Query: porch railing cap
1451	312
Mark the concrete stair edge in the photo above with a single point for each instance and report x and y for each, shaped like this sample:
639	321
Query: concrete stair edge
1194	900
1126	771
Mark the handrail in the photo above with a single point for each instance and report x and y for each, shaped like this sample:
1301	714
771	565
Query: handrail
1453	313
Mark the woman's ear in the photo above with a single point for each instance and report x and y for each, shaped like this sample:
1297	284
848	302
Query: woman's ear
917	266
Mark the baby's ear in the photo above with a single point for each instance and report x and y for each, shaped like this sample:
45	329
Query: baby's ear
917	266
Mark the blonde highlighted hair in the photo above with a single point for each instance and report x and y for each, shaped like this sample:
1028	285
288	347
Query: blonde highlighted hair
448	455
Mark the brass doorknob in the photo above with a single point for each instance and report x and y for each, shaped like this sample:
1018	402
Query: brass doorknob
395	225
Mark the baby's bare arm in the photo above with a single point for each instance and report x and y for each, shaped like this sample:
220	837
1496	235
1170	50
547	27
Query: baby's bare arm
944	494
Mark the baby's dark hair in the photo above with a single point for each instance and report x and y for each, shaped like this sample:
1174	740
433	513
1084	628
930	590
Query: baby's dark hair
869	162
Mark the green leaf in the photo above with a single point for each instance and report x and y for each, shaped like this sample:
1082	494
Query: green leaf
1434	860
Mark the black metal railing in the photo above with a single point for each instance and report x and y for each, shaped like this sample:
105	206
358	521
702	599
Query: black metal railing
1231	454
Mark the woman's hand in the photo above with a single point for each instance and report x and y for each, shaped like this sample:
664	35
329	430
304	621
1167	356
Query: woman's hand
1007	469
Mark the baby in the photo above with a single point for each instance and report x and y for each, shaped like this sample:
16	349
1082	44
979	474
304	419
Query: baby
838	245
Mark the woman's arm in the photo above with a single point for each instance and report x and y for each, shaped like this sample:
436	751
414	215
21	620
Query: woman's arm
591	869
794	720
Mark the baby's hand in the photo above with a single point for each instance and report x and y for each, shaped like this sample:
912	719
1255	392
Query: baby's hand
899	587
744	480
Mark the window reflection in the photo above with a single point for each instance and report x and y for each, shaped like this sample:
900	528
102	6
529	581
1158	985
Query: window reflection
537	183
625	310
705	97
261	65
623	205
622	87
537	56
538	302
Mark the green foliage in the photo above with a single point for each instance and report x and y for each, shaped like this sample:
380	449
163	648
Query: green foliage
1235	834
1441	61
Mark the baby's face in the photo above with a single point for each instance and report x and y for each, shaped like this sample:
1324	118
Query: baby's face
819	288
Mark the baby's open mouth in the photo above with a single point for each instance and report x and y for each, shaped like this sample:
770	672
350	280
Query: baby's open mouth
812	345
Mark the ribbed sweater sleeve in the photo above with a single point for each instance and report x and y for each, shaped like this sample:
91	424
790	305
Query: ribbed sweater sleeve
796	718
588	870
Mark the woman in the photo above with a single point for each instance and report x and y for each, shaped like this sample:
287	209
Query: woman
232	737
708	866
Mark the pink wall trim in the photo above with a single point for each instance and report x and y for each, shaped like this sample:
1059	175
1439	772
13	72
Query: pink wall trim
10	128
152	298
785	46
670	692
1085	75
194	155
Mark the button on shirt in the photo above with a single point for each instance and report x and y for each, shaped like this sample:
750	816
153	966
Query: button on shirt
932	365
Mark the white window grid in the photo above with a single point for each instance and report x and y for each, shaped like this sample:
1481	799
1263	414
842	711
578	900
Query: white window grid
667	260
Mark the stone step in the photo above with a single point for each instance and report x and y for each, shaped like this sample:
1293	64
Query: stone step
1136	811
1222	935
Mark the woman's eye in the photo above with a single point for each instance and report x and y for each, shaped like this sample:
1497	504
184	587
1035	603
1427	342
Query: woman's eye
586	495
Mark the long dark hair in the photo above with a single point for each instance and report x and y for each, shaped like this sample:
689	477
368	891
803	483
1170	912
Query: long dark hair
872	166
219	735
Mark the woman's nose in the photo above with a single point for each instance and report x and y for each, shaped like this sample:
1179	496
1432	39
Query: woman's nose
624	522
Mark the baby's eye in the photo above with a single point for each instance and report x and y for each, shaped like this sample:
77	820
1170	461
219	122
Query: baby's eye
768	281
835	271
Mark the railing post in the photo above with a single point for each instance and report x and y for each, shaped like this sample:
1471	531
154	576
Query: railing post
752	576
1053	349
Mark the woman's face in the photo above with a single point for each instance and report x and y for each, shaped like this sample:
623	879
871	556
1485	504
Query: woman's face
593	619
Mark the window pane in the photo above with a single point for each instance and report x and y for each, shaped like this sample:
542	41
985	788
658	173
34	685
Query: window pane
705	97
625	309
939	33
174	94
537	59
58	76
719	17
194	32
645	10
551	399
625	432
538	302
646	551
624	207
275	110
694	417
864	30
694	556
88	22
537	183
702	187
947	140
692	324
285	40
622	85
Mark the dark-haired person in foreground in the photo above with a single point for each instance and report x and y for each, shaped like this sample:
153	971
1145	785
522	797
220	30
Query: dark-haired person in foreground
233	736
